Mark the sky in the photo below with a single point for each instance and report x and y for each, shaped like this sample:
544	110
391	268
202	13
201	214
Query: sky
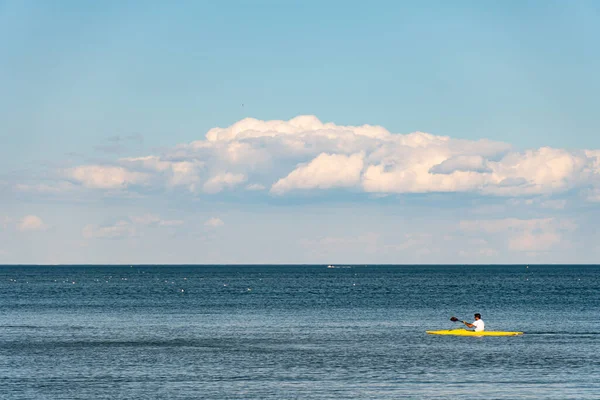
329	132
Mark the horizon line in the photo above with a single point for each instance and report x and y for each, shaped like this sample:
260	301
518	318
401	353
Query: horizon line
292	264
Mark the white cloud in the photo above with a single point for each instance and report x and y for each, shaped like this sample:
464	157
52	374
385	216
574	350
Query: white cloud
221	181
255	187
417	179
540	171
253	128
175	173
324	172
304	153
31	223
461	163
515	174
106	177
214	222
243	153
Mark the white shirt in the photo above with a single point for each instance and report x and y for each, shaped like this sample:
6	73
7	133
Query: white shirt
479	325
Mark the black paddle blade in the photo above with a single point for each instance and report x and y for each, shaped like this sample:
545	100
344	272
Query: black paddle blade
453	319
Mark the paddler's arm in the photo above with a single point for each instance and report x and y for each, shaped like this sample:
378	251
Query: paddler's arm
468	324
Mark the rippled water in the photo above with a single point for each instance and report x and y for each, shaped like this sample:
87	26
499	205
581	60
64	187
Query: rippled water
310	332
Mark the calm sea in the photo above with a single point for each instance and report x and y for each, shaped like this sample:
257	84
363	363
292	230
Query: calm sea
306	332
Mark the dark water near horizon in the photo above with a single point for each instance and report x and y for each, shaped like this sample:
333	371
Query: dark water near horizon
309	332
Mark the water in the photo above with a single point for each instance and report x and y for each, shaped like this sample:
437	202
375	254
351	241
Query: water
275	332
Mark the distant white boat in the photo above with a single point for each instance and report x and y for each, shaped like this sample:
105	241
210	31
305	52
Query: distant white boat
330	266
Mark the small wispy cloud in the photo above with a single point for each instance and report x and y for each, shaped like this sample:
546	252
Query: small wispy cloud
154	219
127	227
117	230
31	223
542	202
255	187
214	222
5	221
539	234
46	188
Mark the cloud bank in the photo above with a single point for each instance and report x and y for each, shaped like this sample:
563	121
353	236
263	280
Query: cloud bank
303	154
512	204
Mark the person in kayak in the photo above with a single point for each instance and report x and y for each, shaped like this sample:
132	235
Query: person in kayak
478	324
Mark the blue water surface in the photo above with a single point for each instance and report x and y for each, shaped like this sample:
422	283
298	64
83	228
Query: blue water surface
309	332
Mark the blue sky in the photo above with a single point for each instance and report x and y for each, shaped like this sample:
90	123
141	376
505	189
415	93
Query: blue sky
90	89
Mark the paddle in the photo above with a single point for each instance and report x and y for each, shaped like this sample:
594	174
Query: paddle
454	319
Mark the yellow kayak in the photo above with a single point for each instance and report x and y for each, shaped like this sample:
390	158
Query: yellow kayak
465	332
